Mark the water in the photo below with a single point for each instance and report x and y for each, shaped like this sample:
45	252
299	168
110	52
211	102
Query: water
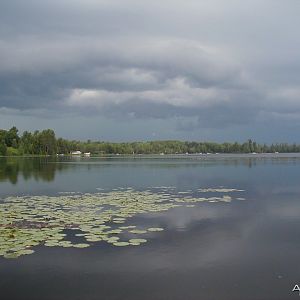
239	250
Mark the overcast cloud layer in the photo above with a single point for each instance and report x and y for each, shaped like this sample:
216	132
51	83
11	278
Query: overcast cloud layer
125	70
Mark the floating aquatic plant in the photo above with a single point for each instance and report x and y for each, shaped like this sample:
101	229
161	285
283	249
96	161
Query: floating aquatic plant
81	245
138	231
219	190
155	229
28	221
121	244
139	241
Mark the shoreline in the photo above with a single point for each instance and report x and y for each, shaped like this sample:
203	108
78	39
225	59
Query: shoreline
155	155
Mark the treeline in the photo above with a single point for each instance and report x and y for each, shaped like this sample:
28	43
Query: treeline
45	143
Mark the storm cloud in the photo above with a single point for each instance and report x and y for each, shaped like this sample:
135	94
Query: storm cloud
199	65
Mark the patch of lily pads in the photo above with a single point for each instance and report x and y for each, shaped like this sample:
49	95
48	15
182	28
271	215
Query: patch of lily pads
29	221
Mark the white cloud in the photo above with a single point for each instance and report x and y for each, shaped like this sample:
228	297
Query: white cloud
175	92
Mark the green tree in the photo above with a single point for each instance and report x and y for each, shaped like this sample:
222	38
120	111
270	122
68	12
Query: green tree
12	138
3	148
47	142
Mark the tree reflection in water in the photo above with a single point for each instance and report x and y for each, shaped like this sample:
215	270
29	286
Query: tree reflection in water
37	168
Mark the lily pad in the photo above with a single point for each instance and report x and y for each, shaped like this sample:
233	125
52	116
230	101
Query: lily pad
155	229
81	245
138	231
139	241
121	244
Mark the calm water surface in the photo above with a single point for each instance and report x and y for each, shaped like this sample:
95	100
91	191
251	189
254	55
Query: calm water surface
239	250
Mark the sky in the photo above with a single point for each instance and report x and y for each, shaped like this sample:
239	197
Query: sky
125	70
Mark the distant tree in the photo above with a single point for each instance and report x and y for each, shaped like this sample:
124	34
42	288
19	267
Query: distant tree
26	143
3	148
47	142
246	147
12	138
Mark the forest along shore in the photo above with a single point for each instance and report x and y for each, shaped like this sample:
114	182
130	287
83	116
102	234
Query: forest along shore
45	142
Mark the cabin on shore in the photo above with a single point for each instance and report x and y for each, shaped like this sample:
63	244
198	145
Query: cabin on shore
76	152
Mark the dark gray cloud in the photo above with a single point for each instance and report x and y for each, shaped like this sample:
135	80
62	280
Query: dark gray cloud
208	64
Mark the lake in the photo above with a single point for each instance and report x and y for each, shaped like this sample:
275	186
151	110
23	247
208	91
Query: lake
168	227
